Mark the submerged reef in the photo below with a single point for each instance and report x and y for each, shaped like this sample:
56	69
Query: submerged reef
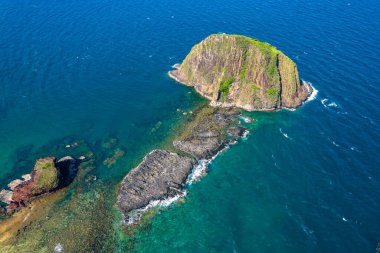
238	71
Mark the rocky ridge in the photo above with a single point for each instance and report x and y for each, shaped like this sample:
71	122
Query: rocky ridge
163	174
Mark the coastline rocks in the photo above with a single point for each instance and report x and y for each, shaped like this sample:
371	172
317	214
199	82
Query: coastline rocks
205	135
12	185
200	148
237	71
161	174
6	196
26	177
236	132
46	176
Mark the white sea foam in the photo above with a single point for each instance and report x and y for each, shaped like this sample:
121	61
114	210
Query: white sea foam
201	169
368	118
313	94
327	103
332	106
354	148
135	215
245	135
247	119
198	172
289	109
285	134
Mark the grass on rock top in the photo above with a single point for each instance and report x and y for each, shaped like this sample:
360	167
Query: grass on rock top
46	173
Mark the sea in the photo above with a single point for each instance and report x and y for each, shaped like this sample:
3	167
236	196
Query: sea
95	72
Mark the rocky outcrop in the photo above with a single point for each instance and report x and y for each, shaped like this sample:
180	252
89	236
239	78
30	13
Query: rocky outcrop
160	175
236	132
46	176
205	134
237	71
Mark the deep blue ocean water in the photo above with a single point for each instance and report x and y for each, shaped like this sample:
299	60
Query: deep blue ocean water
303	181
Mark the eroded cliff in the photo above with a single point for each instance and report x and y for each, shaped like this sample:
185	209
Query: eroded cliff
234	70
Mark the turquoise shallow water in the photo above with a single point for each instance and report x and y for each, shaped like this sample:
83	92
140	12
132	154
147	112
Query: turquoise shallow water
303	181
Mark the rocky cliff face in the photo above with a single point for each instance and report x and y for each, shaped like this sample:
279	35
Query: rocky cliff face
234	70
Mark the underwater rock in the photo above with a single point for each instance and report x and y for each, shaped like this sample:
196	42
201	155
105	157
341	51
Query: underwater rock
110	143
118	153
160	175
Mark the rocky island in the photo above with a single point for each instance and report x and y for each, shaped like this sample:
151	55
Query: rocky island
48	175
233	72
237	71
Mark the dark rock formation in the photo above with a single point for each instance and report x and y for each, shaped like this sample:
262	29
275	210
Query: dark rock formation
236	132
205	135
237	71
160	175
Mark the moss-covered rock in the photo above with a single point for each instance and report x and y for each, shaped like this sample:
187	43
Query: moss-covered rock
234	70
45	174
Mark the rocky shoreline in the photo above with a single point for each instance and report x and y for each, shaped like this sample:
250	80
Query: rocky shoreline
162	175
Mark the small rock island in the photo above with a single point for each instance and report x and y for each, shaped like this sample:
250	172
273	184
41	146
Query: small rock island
48	175
237	71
